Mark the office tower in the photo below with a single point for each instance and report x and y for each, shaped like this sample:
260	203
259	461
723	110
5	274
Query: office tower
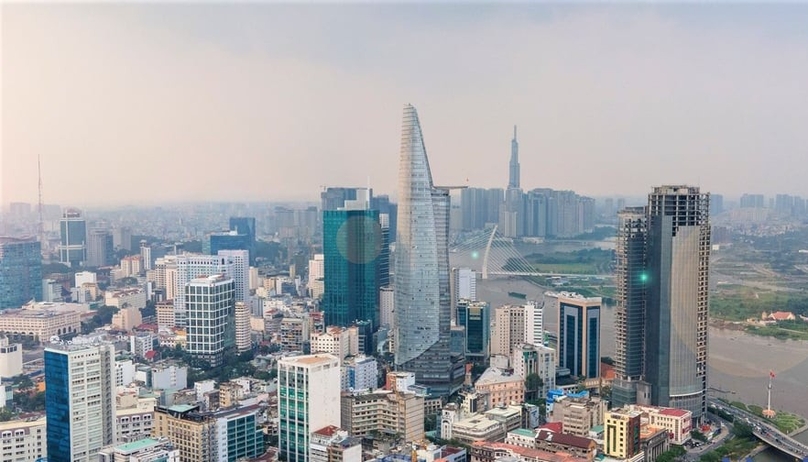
146	255
631	279
464	285
422	296
717	204
757	201
190	267
335	198
513	167
20	272
385	207
308	400
73	238
579	334
316	281
475	318
352	244
242	320
245	226
663	254
79	401
210	304
122	238
384	253
534	323
387	304
99	247
508	329
678	261
240	271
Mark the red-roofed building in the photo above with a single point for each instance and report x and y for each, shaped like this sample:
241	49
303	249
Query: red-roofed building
578	446
484	451
557	427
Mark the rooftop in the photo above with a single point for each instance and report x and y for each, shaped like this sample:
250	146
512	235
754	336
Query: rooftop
311	360
137	445
524	432
673	412
492	375
565	439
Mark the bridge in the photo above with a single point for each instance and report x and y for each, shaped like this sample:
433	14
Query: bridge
492	254
764	431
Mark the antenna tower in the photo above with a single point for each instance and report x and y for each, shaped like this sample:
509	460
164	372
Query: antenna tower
41	225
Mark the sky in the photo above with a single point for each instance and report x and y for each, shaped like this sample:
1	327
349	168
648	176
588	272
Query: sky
134	103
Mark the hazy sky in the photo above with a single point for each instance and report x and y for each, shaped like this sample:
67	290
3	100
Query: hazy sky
131	103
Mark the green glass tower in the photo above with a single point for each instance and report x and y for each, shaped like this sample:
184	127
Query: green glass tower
352	245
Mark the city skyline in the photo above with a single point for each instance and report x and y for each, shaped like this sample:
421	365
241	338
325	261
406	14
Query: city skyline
704	95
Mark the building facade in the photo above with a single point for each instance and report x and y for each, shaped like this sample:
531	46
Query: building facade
579	334
20	272
475	318
79	383
210	303
73	238
23	441
308	399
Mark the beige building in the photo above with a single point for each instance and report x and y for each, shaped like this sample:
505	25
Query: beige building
385	412
10	358
127	318
134	297
242	318
23	441
294	331
508	329
194	437
41	324
503	387
579	415
131	265
492	425
165	314
338	341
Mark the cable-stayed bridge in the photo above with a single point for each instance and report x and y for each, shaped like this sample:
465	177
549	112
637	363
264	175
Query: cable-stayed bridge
492	254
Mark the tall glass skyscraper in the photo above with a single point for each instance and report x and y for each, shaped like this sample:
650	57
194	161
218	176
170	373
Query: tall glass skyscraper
422	297
79	401
20	272
352	246
211	305
663	258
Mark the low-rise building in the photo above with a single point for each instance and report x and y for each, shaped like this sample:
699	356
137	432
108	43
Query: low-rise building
492	425
40	324
331	444
141	450
502	386
485	451
578	446
23	440
384	412
134	297
10	358
579	415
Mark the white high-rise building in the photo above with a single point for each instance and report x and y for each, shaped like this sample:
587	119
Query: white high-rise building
211	317
145	253
190	267
242	316
85	277
240	273
534	323
308	400
387	303
508	329
316	275
465	284
80	401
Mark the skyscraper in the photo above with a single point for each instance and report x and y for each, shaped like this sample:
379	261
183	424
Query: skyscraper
678	260
663	256
579	334
20	272
190	267
422	299
79	401
352	245
475	318
73	234
210	304
308	399
513	177
99	247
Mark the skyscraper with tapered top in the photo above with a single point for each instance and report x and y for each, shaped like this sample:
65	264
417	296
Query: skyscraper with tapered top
422	301
513	170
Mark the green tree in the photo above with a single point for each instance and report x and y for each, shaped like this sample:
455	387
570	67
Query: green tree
533	384
698	436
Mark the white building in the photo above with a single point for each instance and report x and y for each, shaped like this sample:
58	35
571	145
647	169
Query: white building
10	358
81	378
534	323
134	298
141	343
360	373
142	450
308	400
190	267
242	318
203	387
85	277
316	275
338	341
124	373
387	302
465	284
240	273
23	440
169	377
145	254
210	308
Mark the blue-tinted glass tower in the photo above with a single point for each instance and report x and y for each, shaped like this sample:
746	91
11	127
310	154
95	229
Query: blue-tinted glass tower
352	245
579	335
20	272
244	226
73	235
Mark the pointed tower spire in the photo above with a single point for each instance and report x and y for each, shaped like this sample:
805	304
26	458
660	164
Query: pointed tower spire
513	167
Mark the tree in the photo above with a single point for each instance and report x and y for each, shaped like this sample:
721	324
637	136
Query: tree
533	384
698	436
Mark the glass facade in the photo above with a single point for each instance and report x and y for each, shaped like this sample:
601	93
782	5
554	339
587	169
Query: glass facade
57	406
476	318
579	336
20	272
422	297
210	304
244	439
352	245
73	234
